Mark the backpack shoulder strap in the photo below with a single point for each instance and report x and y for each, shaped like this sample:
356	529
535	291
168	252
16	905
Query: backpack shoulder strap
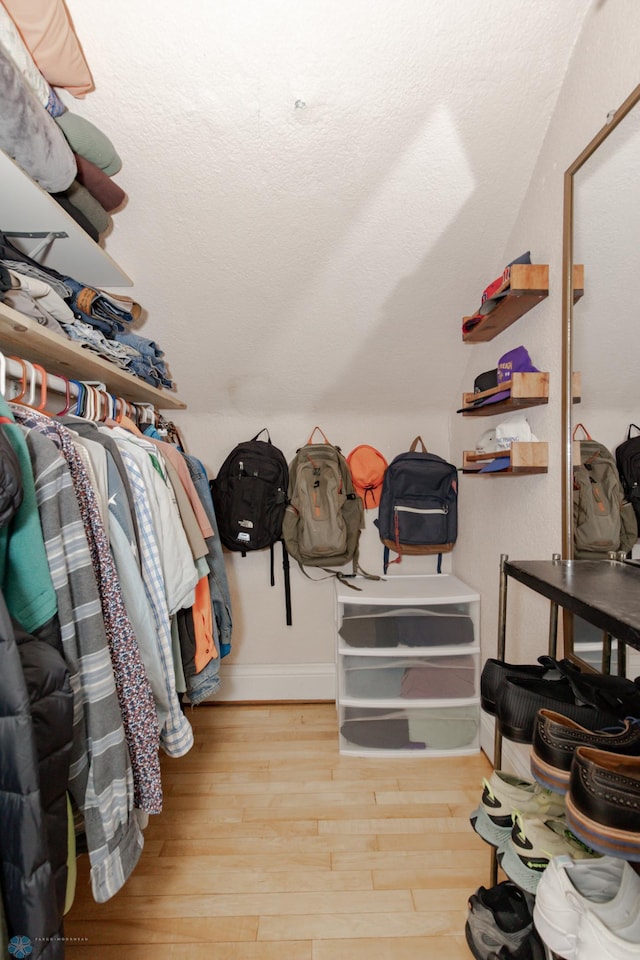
414	445
580	426
310	440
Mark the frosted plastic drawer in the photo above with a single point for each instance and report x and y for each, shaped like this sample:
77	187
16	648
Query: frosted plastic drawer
415	678
406	626
418	730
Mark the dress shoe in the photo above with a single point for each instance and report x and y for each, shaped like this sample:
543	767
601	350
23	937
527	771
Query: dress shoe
603	802
555	738
518	702
495	672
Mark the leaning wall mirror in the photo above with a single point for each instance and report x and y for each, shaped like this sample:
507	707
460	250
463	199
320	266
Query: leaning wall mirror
602	233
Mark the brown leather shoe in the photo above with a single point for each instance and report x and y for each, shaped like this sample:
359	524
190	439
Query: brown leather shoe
556	737
603	802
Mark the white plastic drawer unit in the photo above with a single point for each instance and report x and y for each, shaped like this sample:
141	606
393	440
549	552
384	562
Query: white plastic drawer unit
408	659
395	626
442	676
410	731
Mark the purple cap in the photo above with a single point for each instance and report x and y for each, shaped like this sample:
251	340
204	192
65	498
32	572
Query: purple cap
515	361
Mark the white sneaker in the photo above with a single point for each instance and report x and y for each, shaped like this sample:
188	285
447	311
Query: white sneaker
569	890
597	942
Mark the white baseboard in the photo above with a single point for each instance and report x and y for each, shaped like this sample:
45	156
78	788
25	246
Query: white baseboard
280	681
515	756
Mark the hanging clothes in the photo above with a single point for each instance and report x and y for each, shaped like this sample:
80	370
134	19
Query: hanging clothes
101	776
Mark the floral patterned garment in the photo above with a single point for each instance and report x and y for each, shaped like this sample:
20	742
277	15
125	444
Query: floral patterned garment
134	690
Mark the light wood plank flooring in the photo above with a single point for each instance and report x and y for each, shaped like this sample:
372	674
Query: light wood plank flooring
272	846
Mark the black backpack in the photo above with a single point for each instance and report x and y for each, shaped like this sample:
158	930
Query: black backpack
628	463
250	497
418	511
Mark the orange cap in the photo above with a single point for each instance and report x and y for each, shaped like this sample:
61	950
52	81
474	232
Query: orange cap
367	468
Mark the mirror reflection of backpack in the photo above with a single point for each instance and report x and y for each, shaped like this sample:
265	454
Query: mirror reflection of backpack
418	511
324	515
603	521
250	497
628	463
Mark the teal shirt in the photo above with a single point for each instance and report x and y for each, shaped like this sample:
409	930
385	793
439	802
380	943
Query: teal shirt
24	571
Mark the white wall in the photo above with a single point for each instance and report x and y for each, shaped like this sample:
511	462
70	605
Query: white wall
270	659
522	517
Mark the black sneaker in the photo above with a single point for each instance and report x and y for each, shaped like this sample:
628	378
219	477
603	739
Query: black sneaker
531	948
501	916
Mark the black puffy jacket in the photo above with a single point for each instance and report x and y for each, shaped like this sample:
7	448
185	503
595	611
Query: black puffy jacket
36	715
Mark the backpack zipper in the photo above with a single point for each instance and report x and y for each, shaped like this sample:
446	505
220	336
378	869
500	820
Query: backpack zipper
443	510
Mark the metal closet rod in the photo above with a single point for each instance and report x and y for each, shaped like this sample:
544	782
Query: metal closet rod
98	402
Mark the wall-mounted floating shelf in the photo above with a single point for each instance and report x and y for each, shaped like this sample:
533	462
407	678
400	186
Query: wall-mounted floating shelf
29	214
529	285
527	390
525	458
24	337
578	281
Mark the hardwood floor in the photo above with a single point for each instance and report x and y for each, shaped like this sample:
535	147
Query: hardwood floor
272	846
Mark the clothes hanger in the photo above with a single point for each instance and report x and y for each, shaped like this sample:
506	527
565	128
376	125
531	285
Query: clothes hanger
3	374
23	380
42	406
128	424
67	399
107	414
28	382
80	397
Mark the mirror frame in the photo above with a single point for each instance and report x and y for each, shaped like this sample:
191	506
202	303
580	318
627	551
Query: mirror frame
613	119
567	314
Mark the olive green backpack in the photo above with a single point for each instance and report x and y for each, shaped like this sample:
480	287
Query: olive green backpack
324	515
603	521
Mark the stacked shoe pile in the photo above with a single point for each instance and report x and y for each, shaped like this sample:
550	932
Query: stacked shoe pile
585	736
527	825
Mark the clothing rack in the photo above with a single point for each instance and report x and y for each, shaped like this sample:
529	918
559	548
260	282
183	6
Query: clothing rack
24	381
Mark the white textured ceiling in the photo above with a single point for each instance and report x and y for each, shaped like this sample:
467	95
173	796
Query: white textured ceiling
319	190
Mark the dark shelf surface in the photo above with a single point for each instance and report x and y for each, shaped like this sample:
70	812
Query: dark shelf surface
605	593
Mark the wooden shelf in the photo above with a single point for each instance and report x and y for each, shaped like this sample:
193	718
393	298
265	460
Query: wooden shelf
27	208
527	390
529	285
23	337
525	458
578	281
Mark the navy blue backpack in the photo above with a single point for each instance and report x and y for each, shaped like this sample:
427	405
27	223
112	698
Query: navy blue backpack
418	511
